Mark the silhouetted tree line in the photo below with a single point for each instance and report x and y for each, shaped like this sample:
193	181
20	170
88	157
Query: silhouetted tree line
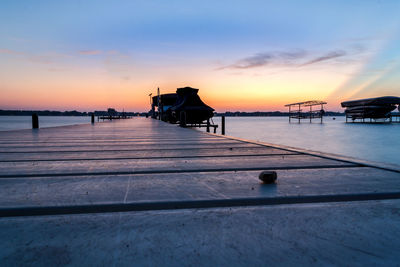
107	113
268	114
64	113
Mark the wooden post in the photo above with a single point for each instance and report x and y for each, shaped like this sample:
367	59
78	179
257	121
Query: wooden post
299	113
92	118
223	125
208	125
35	121
322	108
182	119
158	103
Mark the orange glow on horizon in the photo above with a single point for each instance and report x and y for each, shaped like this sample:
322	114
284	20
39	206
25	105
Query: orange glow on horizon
89	89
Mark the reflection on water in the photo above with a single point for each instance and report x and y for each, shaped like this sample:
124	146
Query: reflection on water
374	142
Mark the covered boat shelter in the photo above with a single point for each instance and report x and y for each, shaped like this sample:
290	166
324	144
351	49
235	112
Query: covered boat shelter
296	110
377	109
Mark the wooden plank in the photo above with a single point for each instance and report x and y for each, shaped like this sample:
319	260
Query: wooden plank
153	146
108	141
84	190
135	128
92	143
142	154
31	169
292	235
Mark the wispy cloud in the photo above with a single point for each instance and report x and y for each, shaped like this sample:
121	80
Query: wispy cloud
90	52
10	52
118	63
41	58
258	60
293	58
328	56
263	59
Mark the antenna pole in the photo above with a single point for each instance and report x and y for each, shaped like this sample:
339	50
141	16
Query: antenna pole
158	103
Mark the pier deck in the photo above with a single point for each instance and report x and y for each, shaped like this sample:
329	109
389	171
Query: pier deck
144	192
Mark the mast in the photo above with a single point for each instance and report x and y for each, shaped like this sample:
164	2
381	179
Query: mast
158	103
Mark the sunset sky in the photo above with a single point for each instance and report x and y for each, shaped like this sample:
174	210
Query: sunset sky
242	55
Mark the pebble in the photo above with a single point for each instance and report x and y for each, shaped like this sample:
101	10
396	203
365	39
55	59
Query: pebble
268	177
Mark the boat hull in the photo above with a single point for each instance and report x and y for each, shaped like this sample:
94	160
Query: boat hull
377	101
374	108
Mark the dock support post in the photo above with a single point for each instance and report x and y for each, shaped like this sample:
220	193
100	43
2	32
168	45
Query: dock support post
92	118
208	125
35	121
223	125
322	110
299	113
182	120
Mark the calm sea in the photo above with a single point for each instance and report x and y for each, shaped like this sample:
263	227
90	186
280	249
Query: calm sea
25	122
373	142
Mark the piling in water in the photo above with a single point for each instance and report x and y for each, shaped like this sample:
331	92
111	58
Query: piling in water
35	121
223	125
92	118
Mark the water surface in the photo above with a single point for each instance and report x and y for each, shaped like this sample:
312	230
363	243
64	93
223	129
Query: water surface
25	122
374	142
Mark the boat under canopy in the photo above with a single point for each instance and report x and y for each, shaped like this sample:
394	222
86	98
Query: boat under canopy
372	108
189	109
184	107
377	101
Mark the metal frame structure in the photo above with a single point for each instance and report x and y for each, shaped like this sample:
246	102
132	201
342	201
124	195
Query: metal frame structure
310	114
391	118
209	124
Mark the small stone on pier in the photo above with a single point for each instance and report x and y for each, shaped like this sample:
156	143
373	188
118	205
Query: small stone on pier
268	177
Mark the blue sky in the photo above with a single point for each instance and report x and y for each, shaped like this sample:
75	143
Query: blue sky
268	50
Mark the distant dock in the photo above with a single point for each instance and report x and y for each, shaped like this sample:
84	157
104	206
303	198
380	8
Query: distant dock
146	192
118	117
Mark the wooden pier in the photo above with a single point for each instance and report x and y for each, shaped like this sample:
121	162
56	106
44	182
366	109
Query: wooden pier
145	192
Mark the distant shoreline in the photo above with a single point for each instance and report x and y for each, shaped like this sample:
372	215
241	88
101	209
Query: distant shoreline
268	114
104	113
62	113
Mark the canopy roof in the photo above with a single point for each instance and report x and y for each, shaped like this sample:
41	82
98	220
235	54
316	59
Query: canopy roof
383	100
307	103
